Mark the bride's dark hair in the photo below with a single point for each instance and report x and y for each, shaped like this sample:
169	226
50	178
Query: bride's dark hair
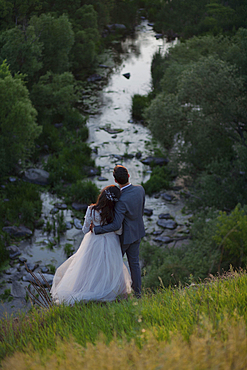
106	203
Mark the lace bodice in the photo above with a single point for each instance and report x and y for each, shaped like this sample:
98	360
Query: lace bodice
93	216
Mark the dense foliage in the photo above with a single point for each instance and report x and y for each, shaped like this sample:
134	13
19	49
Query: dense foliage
200	109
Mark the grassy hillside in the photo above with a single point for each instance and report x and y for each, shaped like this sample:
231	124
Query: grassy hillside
199	327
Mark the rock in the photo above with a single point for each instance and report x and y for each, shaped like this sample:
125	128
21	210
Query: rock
150	24
36	176
91	171
148	212
103	66
61	206
22	259
157	232
69	226
95	77
77	223
163	239
158	36
100	178
130	121
44	270
167	197
17	232
116	26
11	271
14	251
138	155
30	278
156	161
165	216
58	125
12	179
128	156
54	210
79	207
95	150
126	75
114	136
32	266
52	241
17	290
117	157
112	131
170	224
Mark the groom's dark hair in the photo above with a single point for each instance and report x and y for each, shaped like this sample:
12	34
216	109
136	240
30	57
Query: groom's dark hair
120	174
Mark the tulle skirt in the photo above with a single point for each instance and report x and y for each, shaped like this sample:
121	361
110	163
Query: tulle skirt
95	272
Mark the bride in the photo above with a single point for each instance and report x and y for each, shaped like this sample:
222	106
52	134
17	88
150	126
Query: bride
96	271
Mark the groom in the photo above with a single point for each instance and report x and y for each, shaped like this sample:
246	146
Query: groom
128	214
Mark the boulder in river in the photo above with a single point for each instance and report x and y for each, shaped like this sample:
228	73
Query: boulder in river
112	131
79	206
17	290
91	171
36	176
163	239
17	232
48	277
126	75
77	224
14	251
167	224
167	197
165	216
148	212
94	78
156	161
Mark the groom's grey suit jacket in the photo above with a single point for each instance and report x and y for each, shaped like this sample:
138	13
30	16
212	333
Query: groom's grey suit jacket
128	214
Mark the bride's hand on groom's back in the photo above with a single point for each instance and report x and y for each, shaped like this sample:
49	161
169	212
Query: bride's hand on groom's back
91	227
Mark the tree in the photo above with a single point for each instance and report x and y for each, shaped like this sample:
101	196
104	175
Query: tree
57	37
54	95
85	25
18	127
22	50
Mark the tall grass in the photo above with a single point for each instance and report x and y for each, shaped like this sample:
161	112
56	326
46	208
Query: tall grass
169	312
205	351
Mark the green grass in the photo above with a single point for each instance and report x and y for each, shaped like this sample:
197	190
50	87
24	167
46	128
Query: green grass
166	313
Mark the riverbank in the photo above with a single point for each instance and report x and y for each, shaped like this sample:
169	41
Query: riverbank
191	328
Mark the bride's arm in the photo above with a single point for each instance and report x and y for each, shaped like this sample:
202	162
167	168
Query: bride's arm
87	220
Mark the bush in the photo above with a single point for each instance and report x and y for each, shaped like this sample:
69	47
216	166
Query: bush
139	103
24	204
231	236
174	266
68	164
160	179
83	192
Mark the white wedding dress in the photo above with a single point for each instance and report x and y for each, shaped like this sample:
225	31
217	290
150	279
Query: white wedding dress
96	272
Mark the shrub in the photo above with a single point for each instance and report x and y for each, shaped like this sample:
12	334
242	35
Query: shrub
199	258
139	103
231	236
160	179
83	192
24	204
68	164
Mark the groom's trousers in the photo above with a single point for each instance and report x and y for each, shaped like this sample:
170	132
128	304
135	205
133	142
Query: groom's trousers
132	252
